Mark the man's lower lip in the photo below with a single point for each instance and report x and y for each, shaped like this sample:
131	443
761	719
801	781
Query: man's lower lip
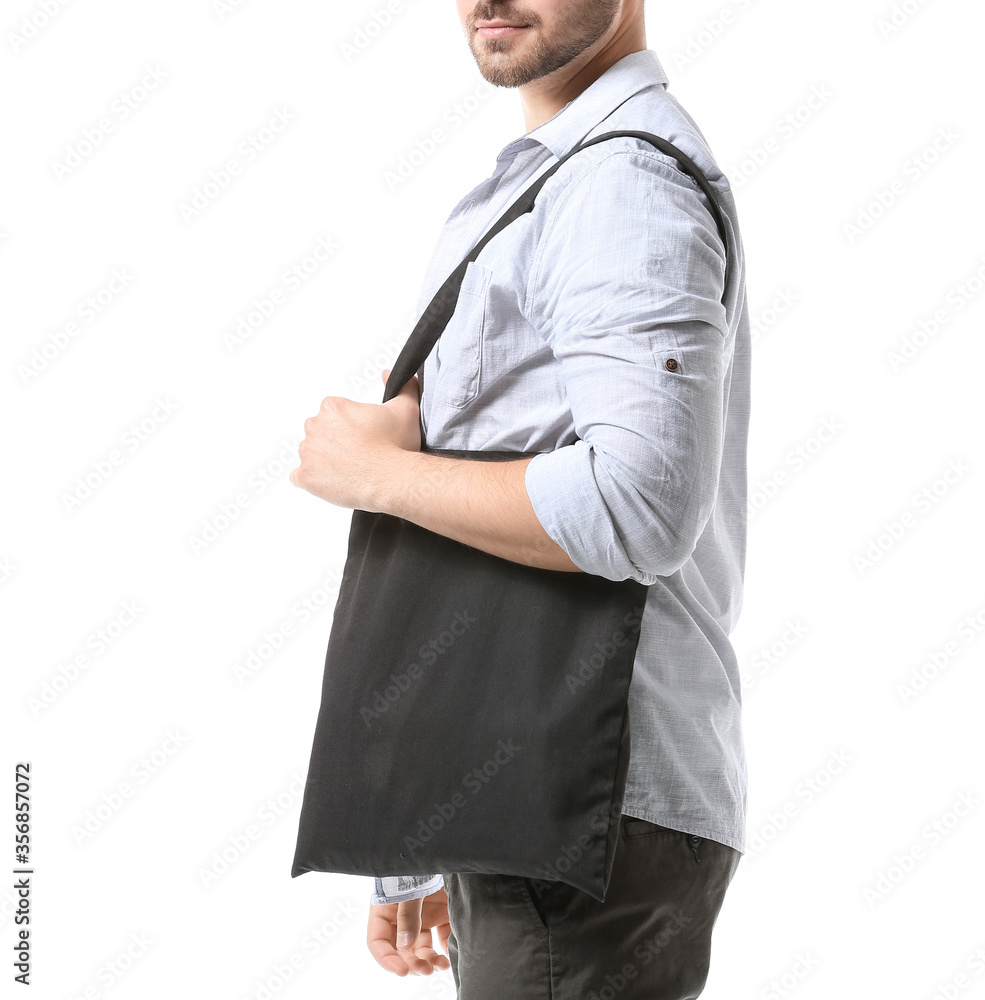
500	32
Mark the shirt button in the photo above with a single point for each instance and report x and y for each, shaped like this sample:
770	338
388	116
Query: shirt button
671	364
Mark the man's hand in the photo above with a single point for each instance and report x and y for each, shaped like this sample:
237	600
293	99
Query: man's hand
367	456
349	447
416	918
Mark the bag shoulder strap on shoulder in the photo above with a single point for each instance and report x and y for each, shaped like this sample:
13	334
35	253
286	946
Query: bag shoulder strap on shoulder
440	309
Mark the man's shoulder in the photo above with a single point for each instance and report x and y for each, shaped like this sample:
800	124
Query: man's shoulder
658	113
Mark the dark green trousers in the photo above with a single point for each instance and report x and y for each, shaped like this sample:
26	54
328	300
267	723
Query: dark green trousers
527	939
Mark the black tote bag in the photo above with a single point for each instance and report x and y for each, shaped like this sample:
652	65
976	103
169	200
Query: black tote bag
474	710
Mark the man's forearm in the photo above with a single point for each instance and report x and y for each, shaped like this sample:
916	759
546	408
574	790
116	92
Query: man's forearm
481	503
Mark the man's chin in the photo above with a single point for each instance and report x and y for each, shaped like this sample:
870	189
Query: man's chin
500	72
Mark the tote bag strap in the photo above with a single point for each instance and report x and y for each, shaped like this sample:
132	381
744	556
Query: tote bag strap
440	309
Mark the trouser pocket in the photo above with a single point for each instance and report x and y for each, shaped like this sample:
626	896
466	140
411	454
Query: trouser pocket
539	893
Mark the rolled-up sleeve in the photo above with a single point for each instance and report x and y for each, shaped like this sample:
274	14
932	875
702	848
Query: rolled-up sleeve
626	288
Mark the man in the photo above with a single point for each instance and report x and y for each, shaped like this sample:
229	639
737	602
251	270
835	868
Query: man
600	332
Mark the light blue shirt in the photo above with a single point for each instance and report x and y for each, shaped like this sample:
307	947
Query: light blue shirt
595	330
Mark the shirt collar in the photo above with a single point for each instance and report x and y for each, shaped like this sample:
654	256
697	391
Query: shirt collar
579	116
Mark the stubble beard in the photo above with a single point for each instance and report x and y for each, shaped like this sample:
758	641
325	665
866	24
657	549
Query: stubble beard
538	56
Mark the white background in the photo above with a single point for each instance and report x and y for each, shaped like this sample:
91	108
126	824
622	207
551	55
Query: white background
846	889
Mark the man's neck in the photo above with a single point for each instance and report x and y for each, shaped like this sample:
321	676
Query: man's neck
542	99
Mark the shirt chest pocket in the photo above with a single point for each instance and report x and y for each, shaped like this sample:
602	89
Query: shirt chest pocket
458	352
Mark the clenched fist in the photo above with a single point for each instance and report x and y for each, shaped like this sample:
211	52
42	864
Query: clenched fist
348	448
